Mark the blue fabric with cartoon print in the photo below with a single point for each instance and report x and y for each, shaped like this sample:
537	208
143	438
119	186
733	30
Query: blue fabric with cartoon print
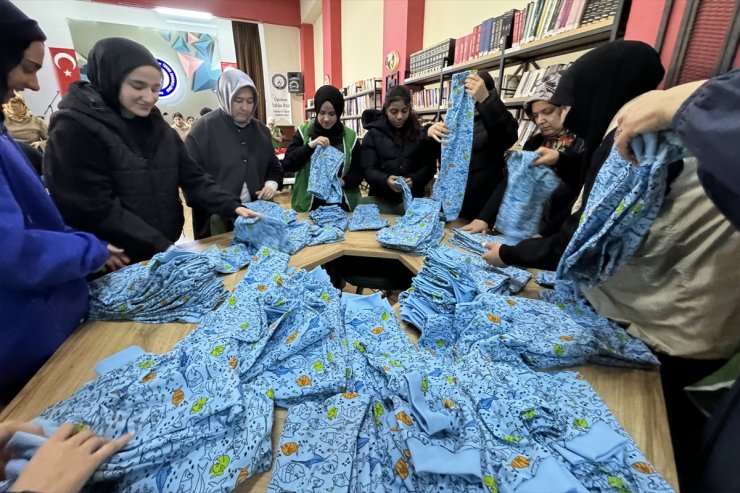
323	181
366	217
546	278
408	197
271	209
474	241
266	231
622	206
449	188
528	191
330	215
175	285
418	230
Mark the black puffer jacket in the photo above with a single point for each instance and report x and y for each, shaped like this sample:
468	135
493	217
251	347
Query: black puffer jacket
105	182
384	153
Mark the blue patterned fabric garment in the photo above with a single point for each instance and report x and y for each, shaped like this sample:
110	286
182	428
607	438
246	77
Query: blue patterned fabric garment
323	181
366	217
330	215
449	188
474	241
528	191
318	235
621	208
417	230
408	197
266	231
367	410
173	286
271	209
546	278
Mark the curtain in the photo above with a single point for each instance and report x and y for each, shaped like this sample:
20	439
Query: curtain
249	59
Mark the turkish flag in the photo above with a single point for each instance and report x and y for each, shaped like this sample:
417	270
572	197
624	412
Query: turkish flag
65	67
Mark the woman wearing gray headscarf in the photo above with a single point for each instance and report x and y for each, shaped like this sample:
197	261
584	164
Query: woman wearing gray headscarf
235	148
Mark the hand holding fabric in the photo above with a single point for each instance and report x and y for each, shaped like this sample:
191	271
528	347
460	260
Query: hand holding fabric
7	430
476	87
67	460
319	141
548	157
244	212
266	193
492	255
117	259
476	226
391	181
439	132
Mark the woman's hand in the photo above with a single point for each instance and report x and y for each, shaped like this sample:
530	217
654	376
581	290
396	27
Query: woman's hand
476	87
117	259
391	182
492	256
439	132
476	226
548	157
319	141
244	212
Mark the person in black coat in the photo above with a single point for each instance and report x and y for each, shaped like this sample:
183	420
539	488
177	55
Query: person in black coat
396	146
494	131
235	148
593	89
113	165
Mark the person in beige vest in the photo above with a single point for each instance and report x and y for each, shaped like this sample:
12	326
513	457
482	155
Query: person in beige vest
22	125
180	126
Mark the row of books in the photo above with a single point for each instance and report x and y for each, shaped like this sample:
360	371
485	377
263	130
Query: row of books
432	59
527	129
538	20
430	97
532	78
361	86
355	125
350	91
355	106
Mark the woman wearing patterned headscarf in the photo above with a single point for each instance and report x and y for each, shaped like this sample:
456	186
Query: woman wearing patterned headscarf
22	125
114	166
235	148
325	129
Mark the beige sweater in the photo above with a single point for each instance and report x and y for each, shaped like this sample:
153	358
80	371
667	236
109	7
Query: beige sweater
34	129
680	292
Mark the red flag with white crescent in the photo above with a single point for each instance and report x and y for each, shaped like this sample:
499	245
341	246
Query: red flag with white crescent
65	67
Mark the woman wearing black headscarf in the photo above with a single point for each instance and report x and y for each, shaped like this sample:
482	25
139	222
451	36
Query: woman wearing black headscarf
325	129
593	89
113	165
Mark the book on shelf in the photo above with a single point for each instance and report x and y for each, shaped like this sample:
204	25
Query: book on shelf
360	86
355	106
484	47
527	129
433	58
431	97
532	78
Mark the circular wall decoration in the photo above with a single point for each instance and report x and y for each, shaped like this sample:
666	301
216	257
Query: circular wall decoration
279	81
392	59
169	79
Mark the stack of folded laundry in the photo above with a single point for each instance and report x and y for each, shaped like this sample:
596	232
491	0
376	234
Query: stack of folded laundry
474	241
418	230
366	217
330	215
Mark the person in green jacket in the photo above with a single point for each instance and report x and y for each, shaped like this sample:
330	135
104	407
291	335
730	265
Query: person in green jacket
326	129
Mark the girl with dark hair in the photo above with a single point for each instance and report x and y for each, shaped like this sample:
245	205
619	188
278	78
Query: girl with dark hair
394	147
114	166
326	129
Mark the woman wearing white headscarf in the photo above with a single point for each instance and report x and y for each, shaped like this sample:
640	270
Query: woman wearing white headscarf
235	149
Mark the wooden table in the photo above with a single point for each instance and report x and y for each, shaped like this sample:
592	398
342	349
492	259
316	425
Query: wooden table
634	396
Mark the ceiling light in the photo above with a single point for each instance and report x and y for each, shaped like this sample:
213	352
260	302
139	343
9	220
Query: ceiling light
191	14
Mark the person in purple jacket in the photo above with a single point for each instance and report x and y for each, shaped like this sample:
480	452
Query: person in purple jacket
706	116
43	291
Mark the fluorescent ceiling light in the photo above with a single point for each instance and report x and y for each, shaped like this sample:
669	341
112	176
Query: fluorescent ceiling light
191	14
191	23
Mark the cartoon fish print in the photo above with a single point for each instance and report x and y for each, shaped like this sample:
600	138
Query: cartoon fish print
121	308
520	462
386	369
350	395
292	337
451	380
199	405
493	318
271	394
490	482
261	288
232	301
289	448
529	414
244	326
359	346
643	467
449	404
512	439
318	365
243	475
377	330
424	385
618	484
436	372
218	350
177	397
620	206
395	363
440	343
303	381
233	362
404	418
378	411
511	302
316	459
146	364
565	338
220	465
265	252
485	403
278	280
332	413
385	316
558	349
402	469
149	377
581	423
325	297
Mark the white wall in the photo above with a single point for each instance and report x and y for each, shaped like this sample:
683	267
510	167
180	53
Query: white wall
362	40
318	53
52	17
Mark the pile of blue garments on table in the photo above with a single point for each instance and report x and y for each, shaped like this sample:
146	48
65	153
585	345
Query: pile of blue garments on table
277	228
418	230
330	215
175	285
366	217
473	242
368	410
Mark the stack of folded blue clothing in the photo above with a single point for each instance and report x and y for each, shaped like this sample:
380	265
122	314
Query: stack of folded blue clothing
173	286
266	231
417	230
230	259
474	241
318	235
271	209
546	278
366	217
330	215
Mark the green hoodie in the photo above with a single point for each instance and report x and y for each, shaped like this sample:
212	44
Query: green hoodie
302	199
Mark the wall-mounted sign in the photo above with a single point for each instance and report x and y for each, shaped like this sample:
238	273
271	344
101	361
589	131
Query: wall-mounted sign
169	79
392	59
279	105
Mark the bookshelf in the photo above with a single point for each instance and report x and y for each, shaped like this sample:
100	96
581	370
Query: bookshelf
358	97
